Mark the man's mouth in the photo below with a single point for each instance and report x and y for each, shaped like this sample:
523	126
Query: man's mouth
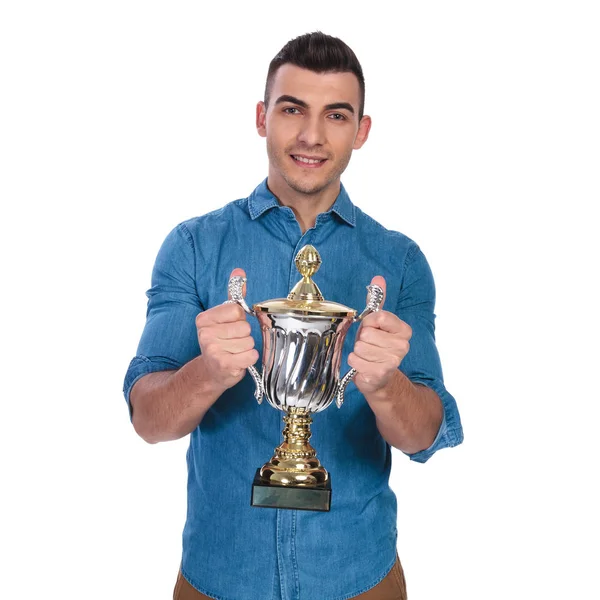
307	161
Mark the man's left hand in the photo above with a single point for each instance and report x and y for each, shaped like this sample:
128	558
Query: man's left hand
381	344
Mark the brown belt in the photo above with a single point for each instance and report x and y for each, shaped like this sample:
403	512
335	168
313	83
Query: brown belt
392	587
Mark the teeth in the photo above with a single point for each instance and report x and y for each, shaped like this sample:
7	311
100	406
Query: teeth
308	161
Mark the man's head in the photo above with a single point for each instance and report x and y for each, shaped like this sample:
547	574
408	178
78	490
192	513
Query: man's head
319	53
312	115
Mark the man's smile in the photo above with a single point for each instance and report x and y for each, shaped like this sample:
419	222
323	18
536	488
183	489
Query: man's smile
310	162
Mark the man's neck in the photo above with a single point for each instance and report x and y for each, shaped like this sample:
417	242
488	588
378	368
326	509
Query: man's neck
306	207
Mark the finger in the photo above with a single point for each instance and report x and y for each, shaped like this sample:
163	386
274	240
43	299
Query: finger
223	313
237	272
371	353
384	341
380	281
236	330
225	336
384	323
237	346
387	321
244	359
225	362
366	368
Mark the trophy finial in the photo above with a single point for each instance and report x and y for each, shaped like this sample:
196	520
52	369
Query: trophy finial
308	261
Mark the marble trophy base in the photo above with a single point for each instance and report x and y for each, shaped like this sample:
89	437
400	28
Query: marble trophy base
266	495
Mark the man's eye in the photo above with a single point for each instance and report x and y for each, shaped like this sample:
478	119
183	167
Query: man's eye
291	110
337	116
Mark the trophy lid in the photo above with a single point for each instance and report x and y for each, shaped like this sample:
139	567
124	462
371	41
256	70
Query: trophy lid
306	297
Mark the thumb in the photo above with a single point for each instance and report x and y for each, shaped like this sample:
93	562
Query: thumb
380	281
237	272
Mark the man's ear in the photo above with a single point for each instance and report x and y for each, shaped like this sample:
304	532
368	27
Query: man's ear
261	119
363	132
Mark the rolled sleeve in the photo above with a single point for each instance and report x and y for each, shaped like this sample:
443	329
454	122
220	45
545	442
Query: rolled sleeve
169	339
422	363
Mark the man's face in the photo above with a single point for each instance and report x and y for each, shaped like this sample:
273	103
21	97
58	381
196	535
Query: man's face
311	126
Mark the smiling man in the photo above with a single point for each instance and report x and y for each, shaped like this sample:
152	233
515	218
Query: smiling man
312	121
189	374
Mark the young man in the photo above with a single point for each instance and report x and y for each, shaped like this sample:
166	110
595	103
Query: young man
189	375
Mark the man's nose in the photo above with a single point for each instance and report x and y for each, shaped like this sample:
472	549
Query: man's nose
312	132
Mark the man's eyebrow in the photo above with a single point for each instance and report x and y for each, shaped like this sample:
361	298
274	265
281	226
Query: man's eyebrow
345	105
292	99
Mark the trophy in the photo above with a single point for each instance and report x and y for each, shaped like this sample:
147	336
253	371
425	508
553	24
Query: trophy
303	337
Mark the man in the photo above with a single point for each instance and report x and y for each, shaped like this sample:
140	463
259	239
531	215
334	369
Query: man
189	375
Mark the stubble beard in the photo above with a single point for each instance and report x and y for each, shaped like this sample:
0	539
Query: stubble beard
279	160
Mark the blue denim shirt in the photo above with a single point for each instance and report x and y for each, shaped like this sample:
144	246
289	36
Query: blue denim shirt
233	551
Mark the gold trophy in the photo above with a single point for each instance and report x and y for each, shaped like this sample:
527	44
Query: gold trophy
303	336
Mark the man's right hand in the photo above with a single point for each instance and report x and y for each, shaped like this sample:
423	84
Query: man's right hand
225	341
167	405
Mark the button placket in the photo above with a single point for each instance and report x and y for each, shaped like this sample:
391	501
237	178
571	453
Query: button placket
280	557
294	556
286	554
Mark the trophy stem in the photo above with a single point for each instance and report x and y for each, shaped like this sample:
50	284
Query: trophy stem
295	462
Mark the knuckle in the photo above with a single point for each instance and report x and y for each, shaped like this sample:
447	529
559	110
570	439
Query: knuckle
209	349
244	345
219	309
227	312
245	359
370	320
221	362
206	335
365	333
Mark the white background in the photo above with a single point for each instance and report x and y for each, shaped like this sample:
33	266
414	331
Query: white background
120	119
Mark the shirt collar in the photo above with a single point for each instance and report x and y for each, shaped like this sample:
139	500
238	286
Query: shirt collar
262	199
343	207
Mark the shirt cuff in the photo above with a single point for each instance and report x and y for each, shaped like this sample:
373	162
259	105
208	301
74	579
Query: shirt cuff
142	365
449	433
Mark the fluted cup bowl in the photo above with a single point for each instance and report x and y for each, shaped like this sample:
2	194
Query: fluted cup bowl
301	359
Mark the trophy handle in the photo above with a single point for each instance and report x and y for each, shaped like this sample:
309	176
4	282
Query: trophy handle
235	288
374	301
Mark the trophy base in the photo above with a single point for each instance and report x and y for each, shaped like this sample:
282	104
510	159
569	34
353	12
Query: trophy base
290	497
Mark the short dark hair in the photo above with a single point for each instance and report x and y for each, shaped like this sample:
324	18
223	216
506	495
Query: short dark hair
320	53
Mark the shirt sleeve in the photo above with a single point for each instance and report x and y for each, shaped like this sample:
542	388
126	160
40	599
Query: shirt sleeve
169	339
422	363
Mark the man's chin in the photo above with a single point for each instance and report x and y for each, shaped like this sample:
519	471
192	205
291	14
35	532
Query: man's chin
308	191
308	188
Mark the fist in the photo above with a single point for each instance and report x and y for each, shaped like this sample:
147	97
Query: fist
381	344
225	341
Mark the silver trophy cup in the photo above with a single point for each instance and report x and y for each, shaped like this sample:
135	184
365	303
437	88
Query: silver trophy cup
303	336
